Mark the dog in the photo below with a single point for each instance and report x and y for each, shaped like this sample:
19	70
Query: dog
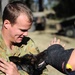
54	55
32	64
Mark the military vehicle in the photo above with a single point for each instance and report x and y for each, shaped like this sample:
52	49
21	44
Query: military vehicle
66	27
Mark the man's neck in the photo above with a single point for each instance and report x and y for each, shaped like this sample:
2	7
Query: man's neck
7	41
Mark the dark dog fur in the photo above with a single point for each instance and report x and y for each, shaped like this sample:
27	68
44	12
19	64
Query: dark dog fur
34	65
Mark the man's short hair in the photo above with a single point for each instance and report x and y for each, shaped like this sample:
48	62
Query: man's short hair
13	10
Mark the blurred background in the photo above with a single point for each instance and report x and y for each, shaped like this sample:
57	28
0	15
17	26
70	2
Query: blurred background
52	18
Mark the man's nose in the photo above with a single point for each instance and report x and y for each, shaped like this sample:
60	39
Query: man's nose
25	33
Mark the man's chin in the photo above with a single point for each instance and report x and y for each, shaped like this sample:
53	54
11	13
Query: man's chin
19	41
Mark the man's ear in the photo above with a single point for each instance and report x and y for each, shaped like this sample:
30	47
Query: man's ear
7	24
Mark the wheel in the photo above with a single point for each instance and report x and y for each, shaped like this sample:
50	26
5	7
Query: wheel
70	32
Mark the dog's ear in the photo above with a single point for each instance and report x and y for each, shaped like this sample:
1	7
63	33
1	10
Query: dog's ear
14	59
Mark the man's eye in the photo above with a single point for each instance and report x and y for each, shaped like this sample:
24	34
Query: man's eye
24	30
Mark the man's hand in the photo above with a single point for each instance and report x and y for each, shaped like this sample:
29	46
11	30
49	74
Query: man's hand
9	68
56	41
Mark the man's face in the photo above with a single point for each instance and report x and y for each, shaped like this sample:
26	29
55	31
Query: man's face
19	29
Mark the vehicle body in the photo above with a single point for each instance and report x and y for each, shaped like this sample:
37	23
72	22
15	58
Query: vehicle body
66	27
39	22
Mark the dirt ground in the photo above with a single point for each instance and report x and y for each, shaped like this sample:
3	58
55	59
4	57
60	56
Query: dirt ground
42	40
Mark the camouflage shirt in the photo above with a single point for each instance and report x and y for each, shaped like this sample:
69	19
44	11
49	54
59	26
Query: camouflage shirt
27	46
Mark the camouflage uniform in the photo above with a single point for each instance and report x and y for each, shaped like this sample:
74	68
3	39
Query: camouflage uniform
27	46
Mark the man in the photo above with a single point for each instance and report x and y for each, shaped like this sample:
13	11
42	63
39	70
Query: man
17	20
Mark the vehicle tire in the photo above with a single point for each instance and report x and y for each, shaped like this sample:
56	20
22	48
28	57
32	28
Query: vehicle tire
70	32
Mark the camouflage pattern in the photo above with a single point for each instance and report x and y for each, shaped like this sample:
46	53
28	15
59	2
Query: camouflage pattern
27	46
